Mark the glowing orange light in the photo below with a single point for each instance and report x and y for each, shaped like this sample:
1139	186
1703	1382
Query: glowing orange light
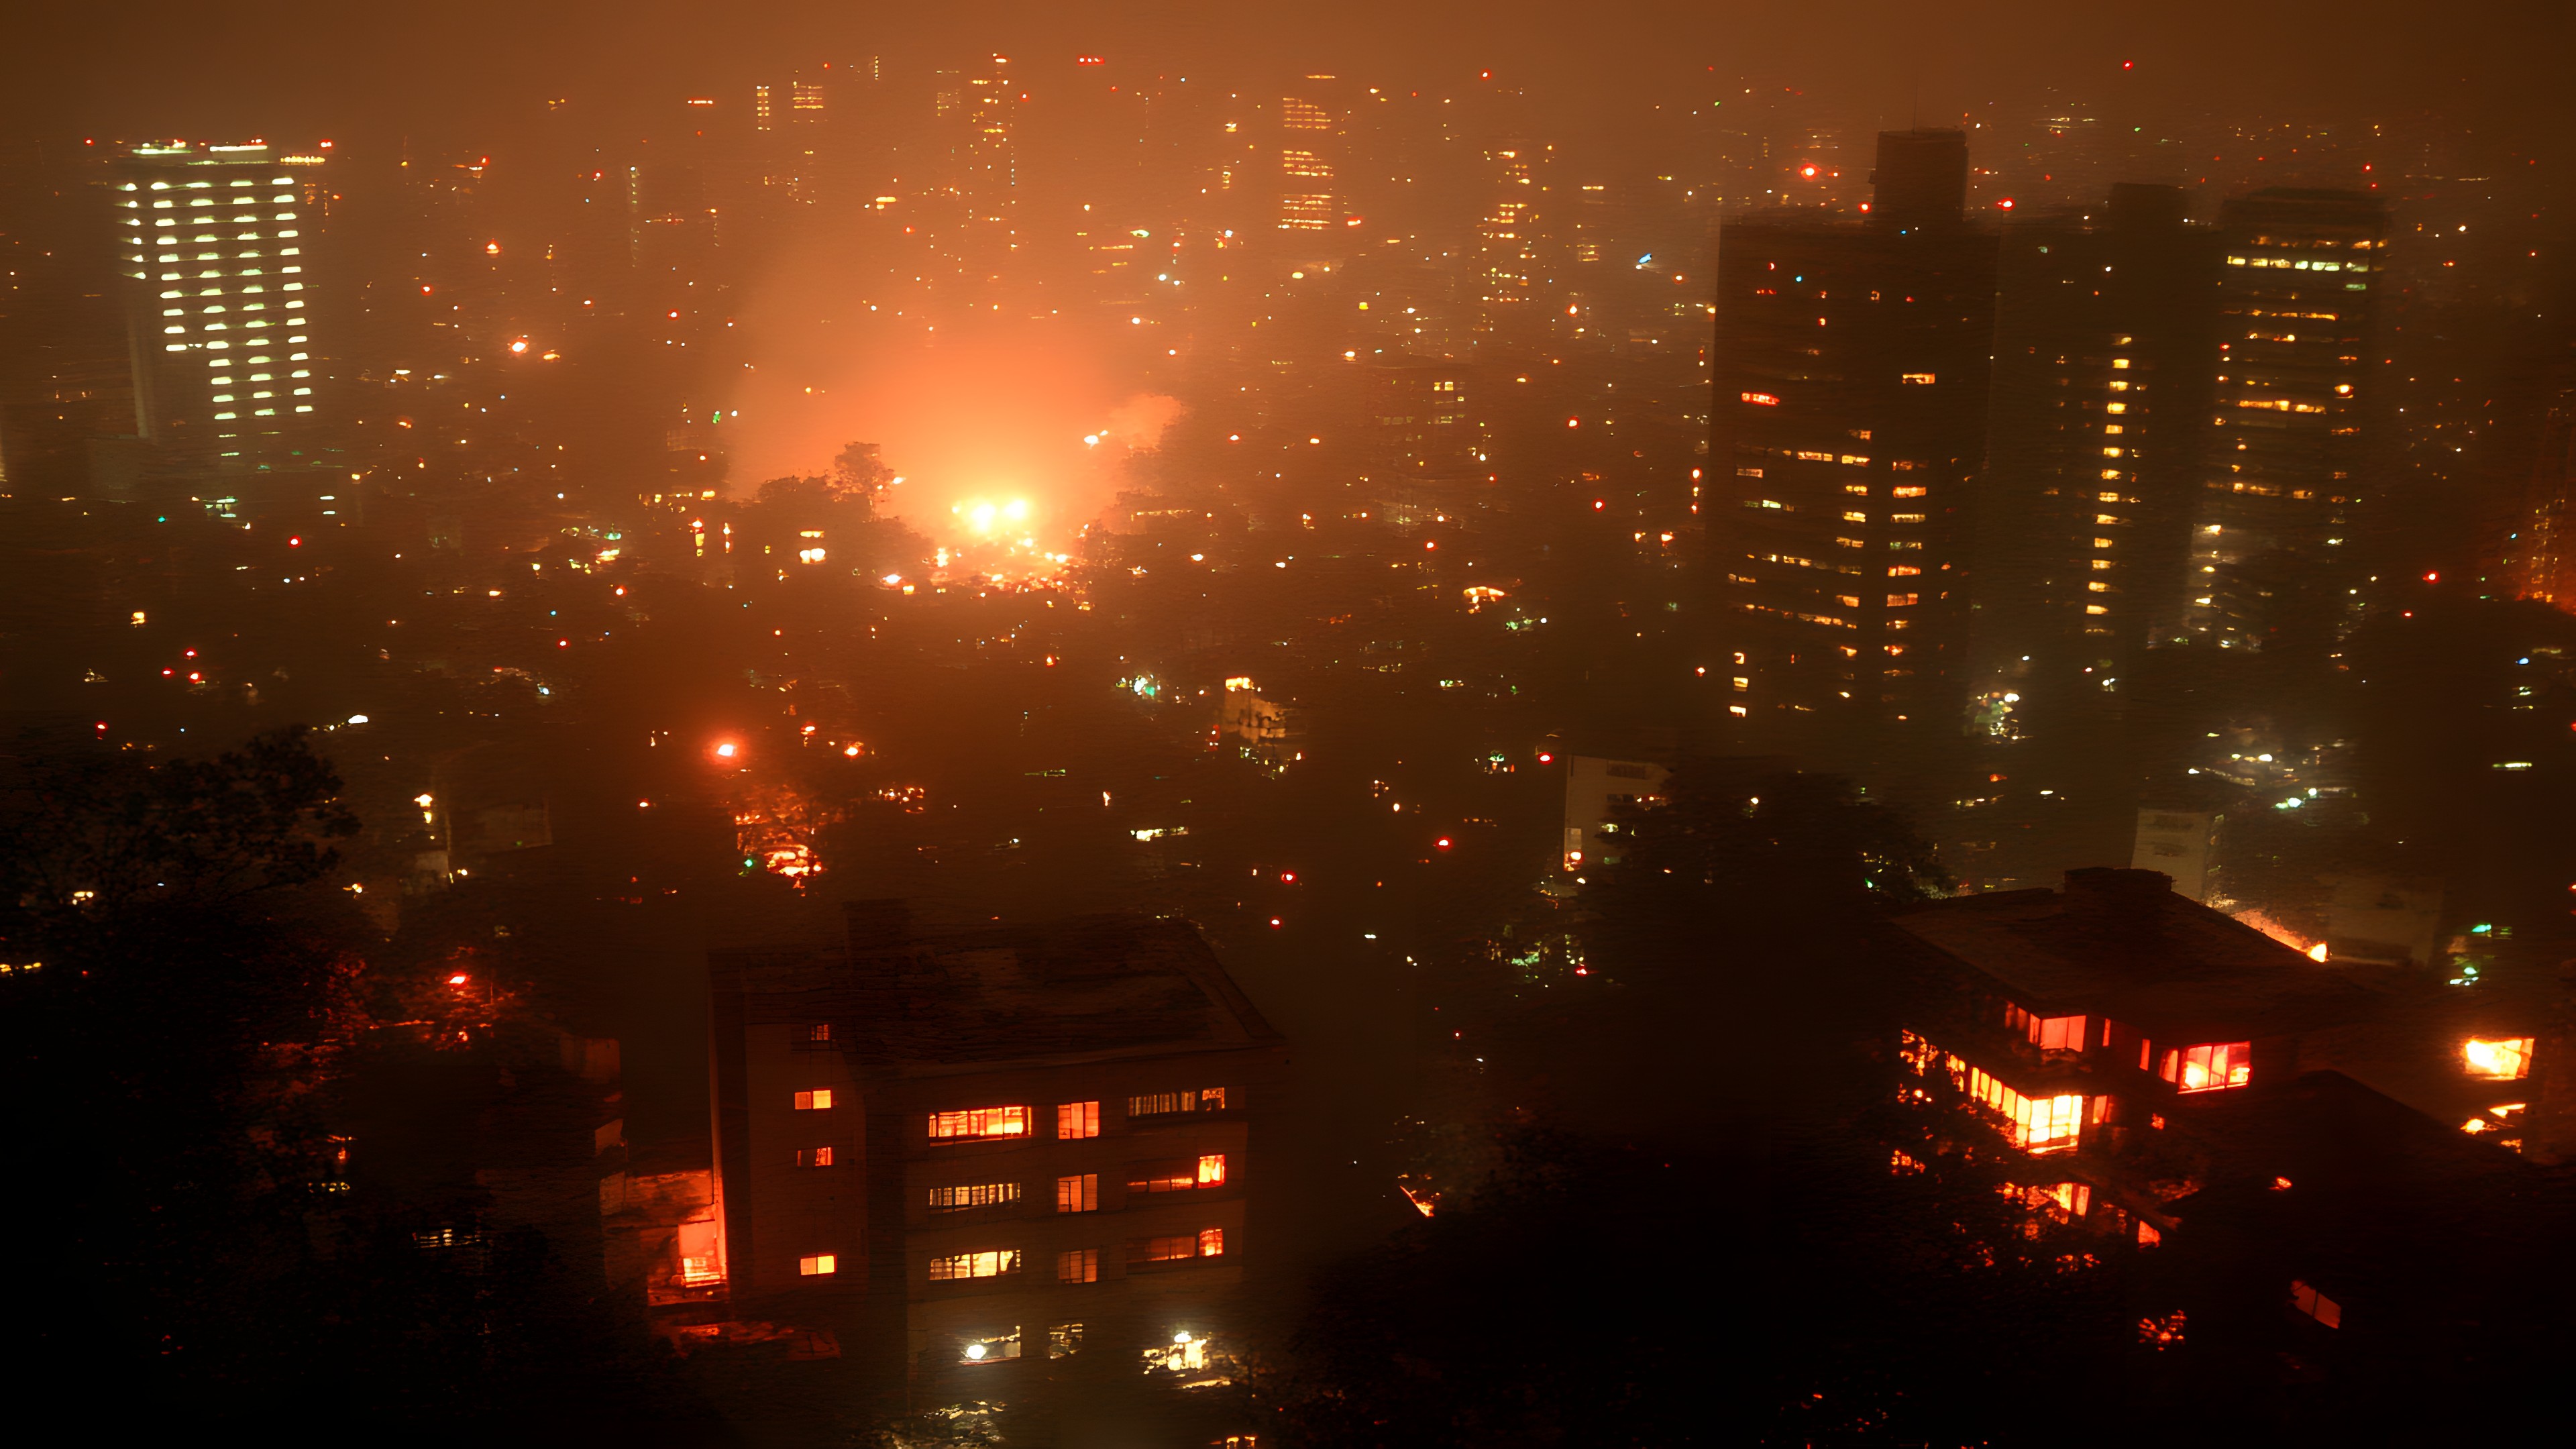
1807	171
458	979
519	346
725	751
1442	842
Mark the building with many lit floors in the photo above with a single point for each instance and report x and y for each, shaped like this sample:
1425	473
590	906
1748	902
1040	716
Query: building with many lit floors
216	245
980	1151
1849	424
2281	465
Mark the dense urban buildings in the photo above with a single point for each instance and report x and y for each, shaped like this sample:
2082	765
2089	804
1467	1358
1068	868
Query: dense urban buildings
1441	643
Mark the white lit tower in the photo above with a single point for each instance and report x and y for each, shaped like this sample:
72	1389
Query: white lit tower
219	301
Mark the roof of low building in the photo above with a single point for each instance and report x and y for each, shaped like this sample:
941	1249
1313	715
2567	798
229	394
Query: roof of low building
2121	944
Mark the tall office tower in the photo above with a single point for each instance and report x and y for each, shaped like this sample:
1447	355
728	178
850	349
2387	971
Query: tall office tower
2104	325
2284	446
1309	135
215	255
2540	555
1507	257
1848	426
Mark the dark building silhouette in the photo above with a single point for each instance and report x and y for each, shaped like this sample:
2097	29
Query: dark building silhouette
1847	432
2105	323
974	1152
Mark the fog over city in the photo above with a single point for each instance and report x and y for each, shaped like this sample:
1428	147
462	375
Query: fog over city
1271	727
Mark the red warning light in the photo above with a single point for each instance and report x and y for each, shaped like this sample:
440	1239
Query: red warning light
1548	759
1287	877
295	543
1442	842
2006	203
2433	576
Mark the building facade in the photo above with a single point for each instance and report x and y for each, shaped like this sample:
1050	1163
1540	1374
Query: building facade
216	251
2282	462
1847	429
978	1152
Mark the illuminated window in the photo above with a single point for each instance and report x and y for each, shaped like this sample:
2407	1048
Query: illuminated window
2208	1068
1080	1194
820	1265
813	1157
1168	1104
2048	1033
2501	1060
979	1124
1761	399
1212	1170
814	1101
2315	1304
1077	1119
1064	1340
1178	1175
2035	1124
2148	1237
1186	1353
958	1267
964	1195
1919	379
1078	1265
819	1031
1208	1243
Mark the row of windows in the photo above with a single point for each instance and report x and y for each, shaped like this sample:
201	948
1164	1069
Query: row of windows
1072	1119
1074	1265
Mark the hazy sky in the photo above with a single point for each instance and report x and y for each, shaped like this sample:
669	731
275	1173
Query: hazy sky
468	72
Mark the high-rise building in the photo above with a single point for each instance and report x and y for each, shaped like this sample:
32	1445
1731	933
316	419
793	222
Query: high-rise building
215	248
2540	556
2281	462
1310	132
1507	251
1848	427
2104	325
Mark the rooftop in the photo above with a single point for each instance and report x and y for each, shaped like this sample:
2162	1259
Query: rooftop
2121	944
1084	987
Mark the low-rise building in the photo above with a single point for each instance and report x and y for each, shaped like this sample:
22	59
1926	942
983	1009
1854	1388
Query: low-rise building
979	1150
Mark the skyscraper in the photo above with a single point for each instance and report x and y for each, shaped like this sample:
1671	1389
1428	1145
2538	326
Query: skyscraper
2281	458
2105	323
219	316
1848	425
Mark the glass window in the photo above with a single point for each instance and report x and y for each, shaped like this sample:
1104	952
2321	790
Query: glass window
975	1123
1077	1119
2208	1068
956	1267
2500	1059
